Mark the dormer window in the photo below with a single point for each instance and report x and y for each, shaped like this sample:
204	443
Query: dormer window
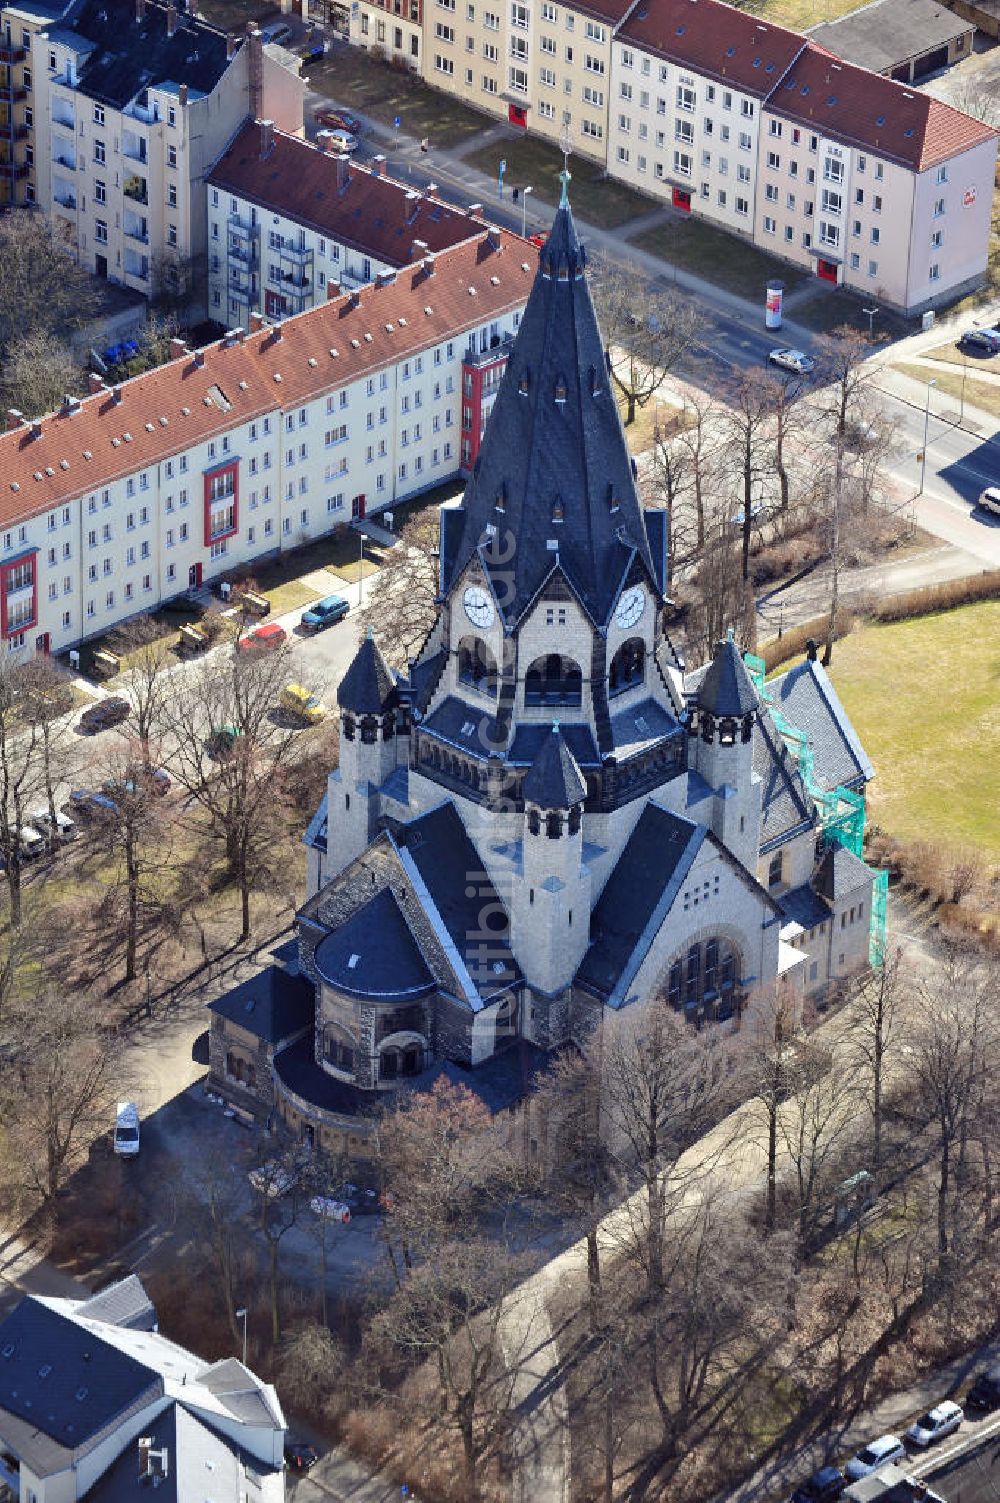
500	504
560	391
558	511
524	384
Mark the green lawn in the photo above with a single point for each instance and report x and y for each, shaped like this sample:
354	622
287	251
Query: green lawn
356	81
596	199
723	259
983	394
933	738
830	307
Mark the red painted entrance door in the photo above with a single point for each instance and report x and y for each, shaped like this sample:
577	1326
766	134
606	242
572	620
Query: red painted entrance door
194	577
42	643
681	199
517	116
357	507
826	270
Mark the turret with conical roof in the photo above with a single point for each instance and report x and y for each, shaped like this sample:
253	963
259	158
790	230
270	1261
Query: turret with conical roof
368	687
721	729
370	750
554	781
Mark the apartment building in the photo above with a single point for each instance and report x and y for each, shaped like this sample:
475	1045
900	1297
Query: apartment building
533	63
256	443
390	29
865	182
123	108
290	223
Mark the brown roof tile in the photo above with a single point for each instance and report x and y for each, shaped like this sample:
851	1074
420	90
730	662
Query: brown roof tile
182	403
339	197
715	39
863	108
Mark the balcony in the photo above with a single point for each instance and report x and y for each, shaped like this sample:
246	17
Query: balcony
136	189
10	54
139	232
11	132
13	172
63	157
244	256
296	253
64	200
63	117
134	147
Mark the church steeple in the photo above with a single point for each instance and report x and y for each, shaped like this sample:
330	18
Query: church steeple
554	484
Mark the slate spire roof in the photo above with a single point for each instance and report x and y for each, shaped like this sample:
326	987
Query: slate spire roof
554	780
727	688
368	687
554	473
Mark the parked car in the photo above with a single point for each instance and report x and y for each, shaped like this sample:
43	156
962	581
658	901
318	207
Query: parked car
64	828
343	141
326	612
88	804
362	1201
297	700
334	119
985	1391
278	32
328	1209
989	499
938	1422
796	361
221	742
106	712
824	1486
273	1179
300	1455
126	1142
981	339
31	843
263	638
876	1454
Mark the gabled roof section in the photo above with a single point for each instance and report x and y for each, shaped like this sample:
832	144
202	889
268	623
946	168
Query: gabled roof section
553	780
809	702
124	1303
727	688
839	873
368	687
716	39
554	480
272	1005
888	32
785	804
130	55
340	197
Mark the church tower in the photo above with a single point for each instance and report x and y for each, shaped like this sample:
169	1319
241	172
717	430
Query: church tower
721	731
369	709
550	906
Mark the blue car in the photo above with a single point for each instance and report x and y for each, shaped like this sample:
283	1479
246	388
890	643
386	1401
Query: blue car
325	612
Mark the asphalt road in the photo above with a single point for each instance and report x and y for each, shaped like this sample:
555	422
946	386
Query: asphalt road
973	1479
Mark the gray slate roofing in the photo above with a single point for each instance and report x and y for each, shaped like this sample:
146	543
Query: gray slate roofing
131	55
63	1378
124	1303
785	805
632	731
529	738
727	688
554	780
272	1006
840	873
368	686
804	906
889	32
374	955
461	901
298	1071
808	701
554	472
636	898
466	726
499	1082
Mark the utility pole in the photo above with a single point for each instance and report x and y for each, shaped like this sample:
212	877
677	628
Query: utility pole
923	452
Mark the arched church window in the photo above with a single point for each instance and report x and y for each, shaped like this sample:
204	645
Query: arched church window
553	825
534	822
705	982
553	681
348	727
628	666
727	731
477	666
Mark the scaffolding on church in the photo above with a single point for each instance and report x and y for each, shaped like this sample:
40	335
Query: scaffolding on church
841	810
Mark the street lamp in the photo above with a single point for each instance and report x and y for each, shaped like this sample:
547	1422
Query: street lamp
870	315
361	568
241	1314
524	211
923	452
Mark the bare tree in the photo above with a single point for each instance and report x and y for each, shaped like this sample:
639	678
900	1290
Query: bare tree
848	375
747	424
20	781
42	289
875	1026
722	597
216	1203
401	606
771	1047
37	374
148	652
324	1178
816	1123
46	700
278	1183
790	418
134	828
646	332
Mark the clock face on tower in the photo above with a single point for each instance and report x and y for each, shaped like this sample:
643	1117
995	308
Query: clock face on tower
478	606
630	607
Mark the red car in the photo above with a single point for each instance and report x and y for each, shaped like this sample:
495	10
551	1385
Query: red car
263	638
338	120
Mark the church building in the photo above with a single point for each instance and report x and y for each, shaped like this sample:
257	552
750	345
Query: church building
548	814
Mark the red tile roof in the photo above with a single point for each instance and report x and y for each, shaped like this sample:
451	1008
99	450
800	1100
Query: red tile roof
864	109
338	197
714	39
182	403
611	11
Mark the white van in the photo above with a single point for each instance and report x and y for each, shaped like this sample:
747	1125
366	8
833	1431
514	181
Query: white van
64	828
127	1129
32	844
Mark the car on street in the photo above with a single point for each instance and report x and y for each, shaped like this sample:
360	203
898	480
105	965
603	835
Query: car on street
126	1141
31	843
796	361
343	141
88	804
363	1200
63	828
263	638
325	612
824	1486
944	1419
278	32
273	1179
221	742
329	1209
989	499
333	119
300	1455
300	703
987	340
106	712
985	1391
876	1454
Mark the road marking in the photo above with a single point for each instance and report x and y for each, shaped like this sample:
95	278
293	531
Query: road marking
935	1461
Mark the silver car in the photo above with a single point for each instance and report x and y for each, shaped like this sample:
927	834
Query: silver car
876	1454
796	361
944	1419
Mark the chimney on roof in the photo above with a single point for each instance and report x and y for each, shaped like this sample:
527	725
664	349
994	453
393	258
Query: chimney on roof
15	419
116	395
70	403
266	139
178	349
255	71
332	289
378	165
94	383
182	95
140	10
256	321
199	359
493	238
473	209
275	336
231	337
431	189
36	430
230	46
418	249
429	264
171	18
